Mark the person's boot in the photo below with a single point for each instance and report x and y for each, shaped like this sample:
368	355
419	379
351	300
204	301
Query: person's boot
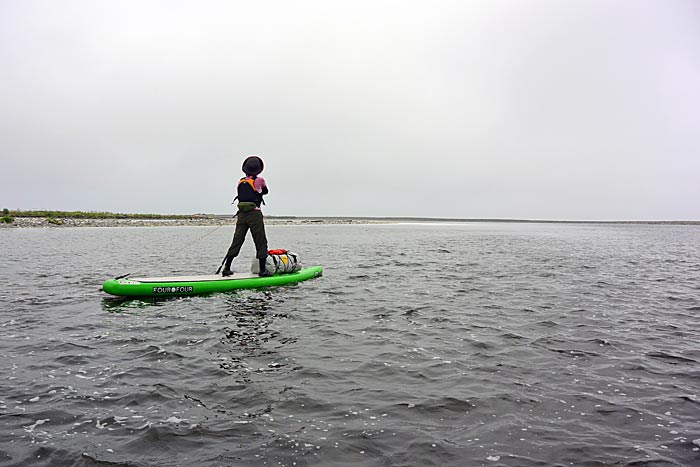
227	267
263	270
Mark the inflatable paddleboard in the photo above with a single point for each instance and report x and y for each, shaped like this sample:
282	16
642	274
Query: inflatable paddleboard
193	285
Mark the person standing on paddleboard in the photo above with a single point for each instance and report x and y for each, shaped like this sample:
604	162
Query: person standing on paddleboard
251	189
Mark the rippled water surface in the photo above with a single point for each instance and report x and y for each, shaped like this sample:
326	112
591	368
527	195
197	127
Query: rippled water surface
445	344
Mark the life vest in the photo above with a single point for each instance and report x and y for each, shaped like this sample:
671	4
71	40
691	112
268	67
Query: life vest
247	192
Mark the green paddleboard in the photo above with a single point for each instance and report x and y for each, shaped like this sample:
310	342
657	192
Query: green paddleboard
193	285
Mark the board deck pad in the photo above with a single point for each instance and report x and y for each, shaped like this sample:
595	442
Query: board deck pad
212	277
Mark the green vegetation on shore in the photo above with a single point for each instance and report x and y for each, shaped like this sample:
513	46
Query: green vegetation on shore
6	217
92	215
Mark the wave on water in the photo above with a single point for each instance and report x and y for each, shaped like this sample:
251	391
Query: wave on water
469	344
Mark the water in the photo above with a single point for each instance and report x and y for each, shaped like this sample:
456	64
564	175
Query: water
446	345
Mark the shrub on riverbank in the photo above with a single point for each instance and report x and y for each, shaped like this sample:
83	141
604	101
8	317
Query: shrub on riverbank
93	215
7	219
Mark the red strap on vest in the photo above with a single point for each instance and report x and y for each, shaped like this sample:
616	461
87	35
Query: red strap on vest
277	252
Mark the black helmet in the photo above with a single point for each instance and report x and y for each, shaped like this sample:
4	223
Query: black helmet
253	165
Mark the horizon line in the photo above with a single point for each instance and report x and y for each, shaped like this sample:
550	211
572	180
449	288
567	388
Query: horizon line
504	220
18	212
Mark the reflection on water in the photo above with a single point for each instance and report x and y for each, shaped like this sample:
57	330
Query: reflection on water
125	304
248	332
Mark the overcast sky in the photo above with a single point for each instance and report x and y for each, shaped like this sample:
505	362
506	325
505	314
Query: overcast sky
547	109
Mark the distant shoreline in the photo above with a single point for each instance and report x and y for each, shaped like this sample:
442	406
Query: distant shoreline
59	219
63	222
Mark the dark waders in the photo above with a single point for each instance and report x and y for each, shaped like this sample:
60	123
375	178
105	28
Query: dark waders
252	220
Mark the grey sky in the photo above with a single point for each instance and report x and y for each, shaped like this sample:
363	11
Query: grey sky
576	109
